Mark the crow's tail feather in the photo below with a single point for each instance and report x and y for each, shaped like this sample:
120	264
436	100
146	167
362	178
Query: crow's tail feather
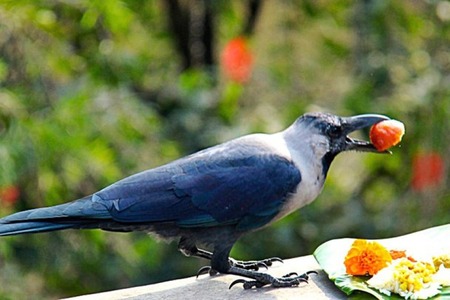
83	213
30	227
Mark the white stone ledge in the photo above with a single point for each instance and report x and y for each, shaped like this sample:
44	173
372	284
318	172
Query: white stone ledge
216	287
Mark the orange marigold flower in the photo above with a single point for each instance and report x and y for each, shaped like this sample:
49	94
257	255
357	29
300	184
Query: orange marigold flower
366	258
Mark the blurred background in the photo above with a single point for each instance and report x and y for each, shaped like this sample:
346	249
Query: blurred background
93	91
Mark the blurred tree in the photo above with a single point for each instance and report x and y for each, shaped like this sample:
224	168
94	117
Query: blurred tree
192	26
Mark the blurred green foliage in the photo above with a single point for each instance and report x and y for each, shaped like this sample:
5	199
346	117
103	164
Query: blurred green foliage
93	91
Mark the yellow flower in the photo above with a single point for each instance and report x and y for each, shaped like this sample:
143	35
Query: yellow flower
366	258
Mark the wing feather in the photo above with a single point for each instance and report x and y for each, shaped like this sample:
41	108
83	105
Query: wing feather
247	186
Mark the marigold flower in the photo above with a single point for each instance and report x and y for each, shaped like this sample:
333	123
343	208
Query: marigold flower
366	258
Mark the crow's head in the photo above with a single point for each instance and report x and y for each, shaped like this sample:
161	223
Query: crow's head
323	136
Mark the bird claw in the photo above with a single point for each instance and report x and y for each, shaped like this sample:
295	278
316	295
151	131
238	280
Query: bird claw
288	280
206	270
250	265
290	274
270	261
236	282
248	284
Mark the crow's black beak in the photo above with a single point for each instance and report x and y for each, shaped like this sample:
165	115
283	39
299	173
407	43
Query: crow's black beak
354	123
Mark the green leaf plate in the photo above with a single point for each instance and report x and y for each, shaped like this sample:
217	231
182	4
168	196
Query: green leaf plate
330	256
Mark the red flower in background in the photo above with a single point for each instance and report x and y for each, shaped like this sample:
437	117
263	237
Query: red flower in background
237	60
9	194
428	171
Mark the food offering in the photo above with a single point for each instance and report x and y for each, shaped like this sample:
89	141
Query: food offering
414	266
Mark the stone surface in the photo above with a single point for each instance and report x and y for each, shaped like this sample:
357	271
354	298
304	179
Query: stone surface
216	287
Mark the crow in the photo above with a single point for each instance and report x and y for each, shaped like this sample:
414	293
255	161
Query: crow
213	197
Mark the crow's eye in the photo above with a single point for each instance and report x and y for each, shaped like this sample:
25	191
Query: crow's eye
335	131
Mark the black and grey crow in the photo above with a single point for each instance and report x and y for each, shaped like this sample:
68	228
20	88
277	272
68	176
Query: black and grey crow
213	197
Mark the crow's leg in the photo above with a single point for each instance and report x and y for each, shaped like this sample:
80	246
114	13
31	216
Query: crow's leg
190	249
254	264
221	263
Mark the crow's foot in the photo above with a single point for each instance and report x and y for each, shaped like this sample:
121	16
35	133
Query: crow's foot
255	264
263	279
246	265
206	270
